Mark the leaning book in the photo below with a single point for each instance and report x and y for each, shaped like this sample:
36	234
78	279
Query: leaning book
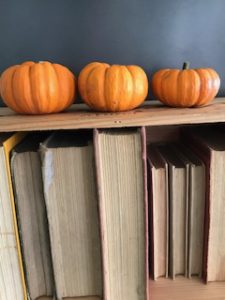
31	216
71	203
12	280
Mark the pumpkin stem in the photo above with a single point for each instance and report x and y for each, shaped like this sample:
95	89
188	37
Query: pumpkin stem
186	65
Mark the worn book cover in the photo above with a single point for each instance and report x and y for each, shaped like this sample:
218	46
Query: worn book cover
12	279
72	210
120	157
158	212
209	144
178	210
31	216
196	208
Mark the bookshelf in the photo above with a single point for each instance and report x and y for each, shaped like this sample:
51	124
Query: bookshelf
151	113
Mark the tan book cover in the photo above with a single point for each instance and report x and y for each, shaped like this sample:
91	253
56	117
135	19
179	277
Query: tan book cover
158	212
196	208
178	222
31	216
120	157
12	279
72	210
209	144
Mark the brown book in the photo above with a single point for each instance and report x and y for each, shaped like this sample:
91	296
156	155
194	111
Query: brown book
71	202
209	144
121	176
31	215
158	212
178	199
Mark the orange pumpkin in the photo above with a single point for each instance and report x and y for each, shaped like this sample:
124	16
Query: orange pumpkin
185	88
112	88
37	88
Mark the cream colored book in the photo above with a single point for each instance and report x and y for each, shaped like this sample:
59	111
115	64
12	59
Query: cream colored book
72	210
12	280
31	215
121	175
159	212
196	209
178	203
209	144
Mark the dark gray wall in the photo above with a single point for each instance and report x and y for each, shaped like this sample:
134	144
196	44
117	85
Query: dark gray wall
151	33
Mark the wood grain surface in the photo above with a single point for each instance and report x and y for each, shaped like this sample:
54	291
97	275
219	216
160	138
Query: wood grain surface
72	298
186	289
179	289
151	113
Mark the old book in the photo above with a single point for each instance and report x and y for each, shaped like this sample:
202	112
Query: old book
209	144
12	280
71	202
158	212
196	209
31	215
178	203
121	176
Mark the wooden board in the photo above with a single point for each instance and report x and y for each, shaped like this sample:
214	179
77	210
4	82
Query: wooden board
179	289
186	289
72	298
151	113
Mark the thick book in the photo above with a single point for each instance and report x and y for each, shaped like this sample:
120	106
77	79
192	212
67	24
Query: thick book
31	216
12	280
120	156
209	144
72	211
178	208
158	212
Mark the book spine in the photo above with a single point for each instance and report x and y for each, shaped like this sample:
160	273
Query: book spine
151	221
102	231
99	194
198	147
144	159
8	145
47	169
13	157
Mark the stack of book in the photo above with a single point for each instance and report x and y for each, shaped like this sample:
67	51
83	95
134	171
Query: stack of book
187	201
177	203
74	215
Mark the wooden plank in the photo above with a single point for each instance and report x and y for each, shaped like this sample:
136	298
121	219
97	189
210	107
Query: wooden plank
72	298
151	113
179	289
186	289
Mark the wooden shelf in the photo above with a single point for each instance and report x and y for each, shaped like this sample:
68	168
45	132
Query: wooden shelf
152	113
72	298
186	289
179	289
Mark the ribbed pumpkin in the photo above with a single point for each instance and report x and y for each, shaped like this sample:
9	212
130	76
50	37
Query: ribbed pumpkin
37	88
185	88
112	88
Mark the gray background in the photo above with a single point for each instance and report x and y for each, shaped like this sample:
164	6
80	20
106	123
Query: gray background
151	33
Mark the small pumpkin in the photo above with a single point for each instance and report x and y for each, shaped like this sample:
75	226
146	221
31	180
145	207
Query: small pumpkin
185	88
37	88
112	88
